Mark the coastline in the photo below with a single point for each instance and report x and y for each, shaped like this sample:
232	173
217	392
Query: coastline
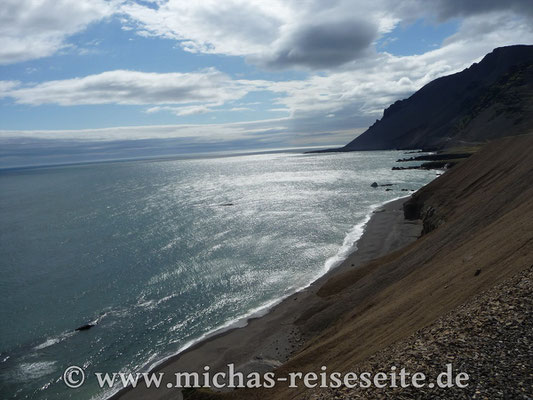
271	336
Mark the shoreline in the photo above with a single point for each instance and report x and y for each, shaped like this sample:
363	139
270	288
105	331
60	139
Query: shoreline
271	335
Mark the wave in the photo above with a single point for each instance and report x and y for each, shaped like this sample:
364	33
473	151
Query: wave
348	246
34	370
50	341
54	340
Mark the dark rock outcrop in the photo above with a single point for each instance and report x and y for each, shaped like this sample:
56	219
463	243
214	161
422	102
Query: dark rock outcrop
436	157
488	100
85	327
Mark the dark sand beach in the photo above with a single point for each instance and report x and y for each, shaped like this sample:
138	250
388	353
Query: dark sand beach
475	224
267	342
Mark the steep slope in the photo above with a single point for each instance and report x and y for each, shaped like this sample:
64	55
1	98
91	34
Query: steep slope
478	232
489	337
490	99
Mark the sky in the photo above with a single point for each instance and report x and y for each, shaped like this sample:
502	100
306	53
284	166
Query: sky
85	80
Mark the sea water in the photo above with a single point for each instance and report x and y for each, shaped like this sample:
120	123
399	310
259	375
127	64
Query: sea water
158	254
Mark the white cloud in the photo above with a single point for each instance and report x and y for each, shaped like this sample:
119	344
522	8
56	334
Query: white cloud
132	88
32	29
238	109
182	111
221	132
233	27
355	93
6	86
194	110
361	88
274	33
333	41
366	87
312	34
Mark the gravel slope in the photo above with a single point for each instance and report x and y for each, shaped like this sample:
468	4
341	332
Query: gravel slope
490	338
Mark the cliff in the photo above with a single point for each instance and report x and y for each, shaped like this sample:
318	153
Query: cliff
488	100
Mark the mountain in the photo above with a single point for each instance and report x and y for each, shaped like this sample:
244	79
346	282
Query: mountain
488	100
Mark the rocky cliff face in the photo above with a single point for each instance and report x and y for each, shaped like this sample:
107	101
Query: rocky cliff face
490	99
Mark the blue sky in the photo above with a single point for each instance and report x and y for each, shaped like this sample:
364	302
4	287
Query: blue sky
418	37
217	75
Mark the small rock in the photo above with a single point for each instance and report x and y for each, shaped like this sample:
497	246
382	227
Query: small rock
84	327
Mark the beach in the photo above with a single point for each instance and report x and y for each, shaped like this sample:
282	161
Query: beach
395	286
266	342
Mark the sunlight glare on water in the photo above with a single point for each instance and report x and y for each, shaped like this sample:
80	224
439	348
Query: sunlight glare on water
159	253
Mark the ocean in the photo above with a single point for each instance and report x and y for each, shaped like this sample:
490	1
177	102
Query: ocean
161	253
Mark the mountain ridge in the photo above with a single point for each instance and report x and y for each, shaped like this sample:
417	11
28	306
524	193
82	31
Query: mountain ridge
490	99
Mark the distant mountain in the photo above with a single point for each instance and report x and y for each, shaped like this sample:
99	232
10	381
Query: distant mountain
490	99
